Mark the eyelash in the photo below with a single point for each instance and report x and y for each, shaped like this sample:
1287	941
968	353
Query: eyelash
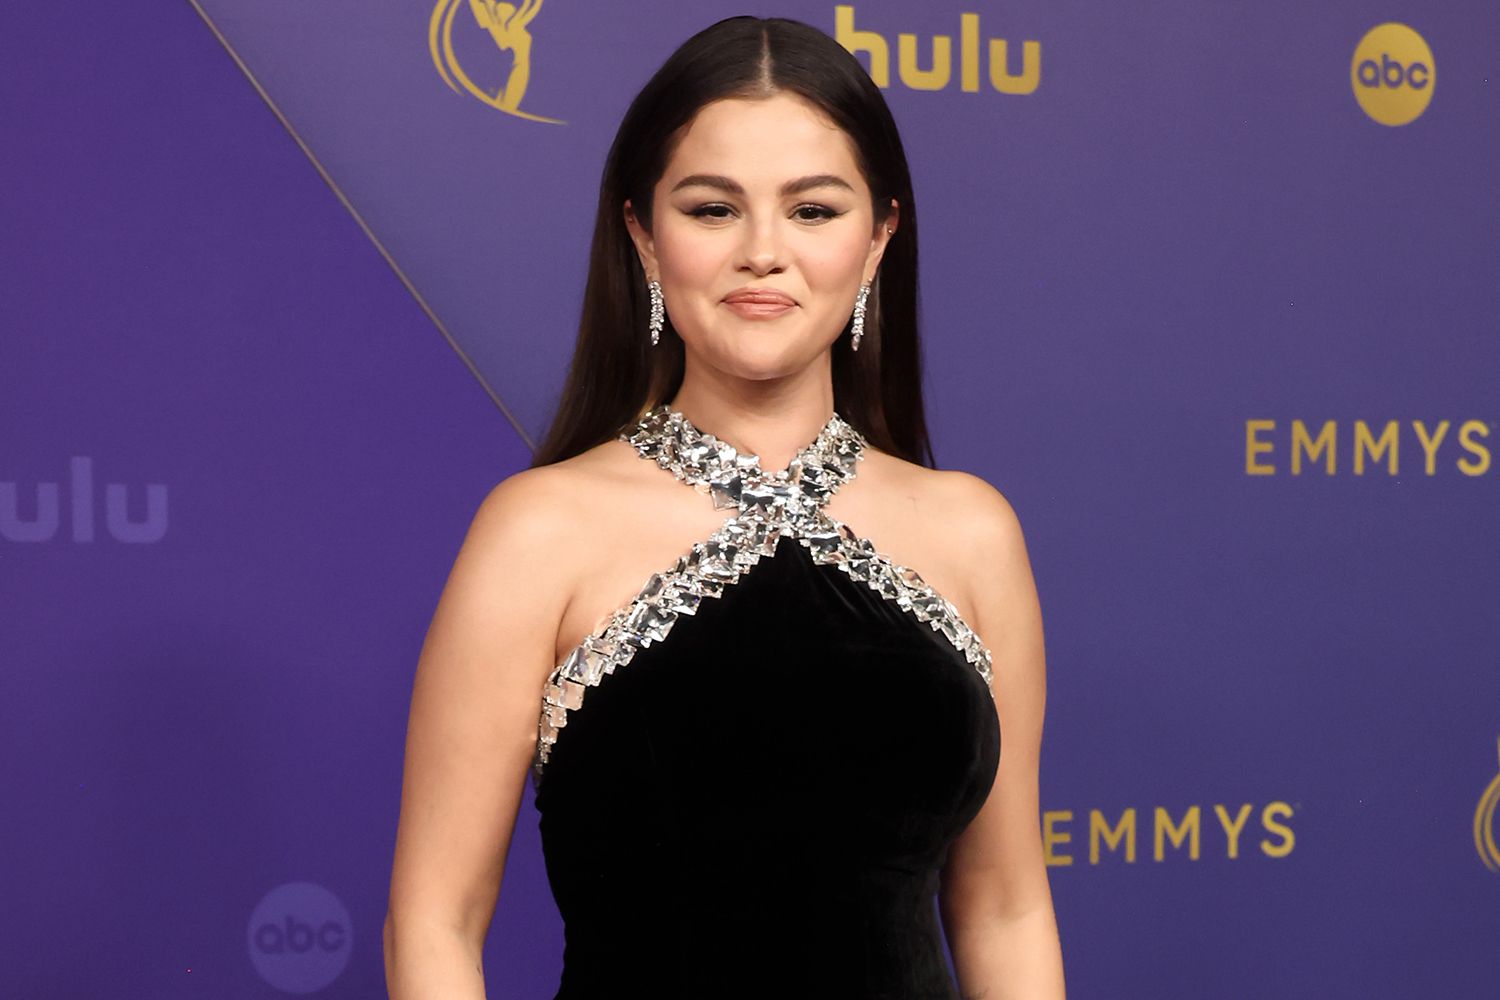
824	212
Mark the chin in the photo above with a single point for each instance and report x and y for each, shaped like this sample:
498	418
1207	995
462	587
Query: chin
768	360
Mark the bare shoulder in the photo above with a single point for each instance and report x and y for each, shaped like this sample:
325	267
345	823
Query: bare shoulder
985	513
543	504
966	506
521	557
998	567
1000	583
963	534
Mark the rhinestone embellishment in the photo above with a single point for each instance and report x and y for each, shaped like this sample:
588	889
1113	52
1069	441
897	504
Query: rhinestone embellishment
767	507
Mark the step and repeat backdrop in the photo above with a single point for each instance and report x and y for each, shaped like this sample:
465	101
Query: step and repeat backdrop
1211	292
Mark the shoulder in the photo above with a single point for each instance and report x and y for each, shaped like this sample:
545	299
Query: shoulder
984	513
997	569
532	503
551	493
974	532
969	507
994	551
540	510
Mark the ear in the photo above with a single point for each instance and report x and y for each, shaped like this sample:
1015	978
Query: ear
883	233
645	246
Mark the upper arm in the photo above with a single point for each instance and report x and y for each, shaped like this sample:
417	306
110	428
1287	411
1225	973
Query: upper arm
996	867
476	698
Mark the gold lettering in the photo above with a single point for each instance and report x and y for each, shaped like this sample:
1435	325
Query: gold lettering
1031	67
1430	444
1302	443
1052	836
856	42
1288	839
1233	827
1466	439
968	44
916	78
1166	829
938	75
1363	442
1254	446
1100	829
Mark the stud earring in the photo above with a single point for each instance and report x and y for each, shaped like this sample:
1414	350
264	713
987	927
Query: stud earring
858	328
658	309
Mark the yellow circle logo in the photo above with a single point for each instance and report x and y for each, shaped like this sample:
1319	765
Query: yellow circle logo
1392	74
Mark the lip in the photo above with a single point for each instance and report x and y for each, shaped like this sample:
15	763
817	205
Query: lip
760	297
759	303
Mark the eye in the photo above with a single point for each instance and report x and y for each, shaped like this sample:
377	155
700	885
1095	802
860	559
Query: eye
714	210
815	213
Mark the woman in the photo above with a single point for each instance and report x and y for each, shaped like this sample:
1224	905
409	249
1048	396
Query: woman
756	772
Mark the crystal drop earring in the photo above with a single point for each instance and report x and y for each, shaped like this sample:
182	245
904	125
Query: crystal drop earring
658	309
858	328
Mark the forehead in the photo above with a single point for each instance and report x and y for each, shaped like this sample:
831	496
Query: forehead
763	140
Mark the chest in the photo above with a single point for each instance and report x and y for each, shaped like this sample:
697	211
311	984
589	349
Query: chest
799	686
624	544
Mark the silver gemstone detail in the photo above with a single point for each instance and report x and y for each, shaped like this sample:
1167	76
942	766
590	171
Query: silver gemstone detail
767	507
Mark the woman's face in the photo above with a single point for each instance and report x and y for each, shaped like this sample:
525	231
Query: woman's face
761	234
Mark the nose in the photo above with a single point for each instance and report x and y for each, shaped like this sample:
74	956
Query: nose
761	249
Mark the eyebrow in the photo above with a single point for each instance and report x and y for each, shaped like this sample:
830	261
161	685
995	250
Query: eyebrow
797	186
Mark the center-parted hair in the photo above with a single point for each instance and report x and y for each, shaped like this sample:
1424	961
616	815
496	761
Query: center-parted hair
616	374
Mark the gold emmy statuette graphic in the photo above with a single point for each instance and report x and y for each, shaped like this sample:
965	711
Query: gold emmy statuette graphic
1484	826
507	26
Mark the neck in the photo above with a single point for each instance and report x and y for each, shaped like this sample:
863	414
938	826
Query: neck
773	424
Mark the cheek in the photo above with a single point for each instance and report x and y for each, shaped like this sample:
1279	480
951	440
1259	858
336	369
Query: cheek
834	261
689	256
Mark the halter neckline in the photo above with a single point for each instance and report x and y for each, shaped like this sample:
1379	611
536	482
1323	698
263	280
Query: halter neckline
783	505
733	477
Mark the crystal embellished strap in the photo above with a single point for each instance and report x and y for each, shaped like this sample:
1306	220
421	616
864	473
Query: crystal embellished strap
769	506
714	467
836	543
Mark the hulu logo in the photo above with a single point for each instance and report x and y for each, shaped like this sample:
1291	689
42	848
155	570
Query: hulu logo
939	71
46	517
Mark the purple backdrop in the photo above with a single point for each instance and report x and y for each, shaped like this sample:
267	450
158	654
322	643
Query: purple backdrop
281	304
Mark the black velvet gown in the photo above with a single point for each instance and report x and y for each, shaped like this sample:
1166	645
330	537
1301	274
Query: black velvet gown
782	736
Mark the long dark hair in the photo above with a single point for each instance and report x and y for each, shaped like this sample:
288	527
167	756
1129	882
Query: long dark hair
616	374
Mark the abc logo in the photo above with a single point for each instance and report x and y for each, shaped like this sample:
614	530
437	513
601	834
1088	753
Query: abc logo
300	937
1392	74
